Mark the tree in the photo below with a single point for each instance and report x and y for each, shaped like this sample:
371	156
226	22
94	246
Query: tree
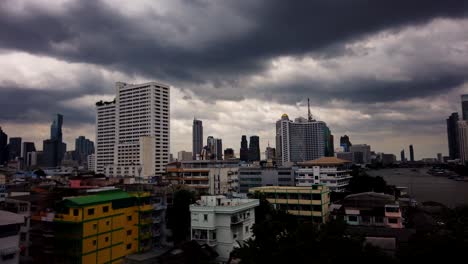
179	214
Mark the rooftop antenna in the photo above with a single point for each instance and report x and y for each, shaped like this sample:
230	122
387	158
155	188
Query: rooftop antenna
309	115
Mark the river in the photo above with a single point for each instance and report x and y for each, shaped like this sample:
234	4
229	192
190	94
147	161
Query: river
425	187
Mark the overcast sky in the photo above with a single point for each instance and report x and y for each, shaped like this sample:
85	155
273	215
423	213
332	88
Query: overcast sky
387	73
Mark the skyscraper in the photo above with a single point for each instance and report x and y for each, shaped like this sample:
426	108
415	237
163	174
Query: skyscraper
329	144
402	155
83	148
56	128
244	150
463	140
27	147
301	140
361	148
464	102
452	136
345	143
218	153
229	154
139	118
270	153
15	148
254	148
197	137
411	153
54	148
3	147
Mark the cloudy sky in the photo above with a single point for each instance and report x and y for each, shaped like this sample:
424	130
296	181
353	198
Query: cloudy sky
387	73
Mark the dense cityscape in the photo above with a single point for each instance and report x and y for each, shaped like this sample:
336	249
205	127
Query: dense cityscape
244	132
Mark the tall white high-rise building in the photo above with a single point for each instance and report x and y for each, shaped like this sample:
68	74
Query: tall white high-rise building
139	120
301	140
463	141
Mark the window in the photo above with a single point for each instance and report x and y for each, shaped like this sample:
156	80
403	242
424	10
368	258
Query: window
94	226
106	239
379	219
205	217
107	223
94	242
91	211
75	212
129	232
129	218
234	235
247	229
105	209
393	220
352	218
129	246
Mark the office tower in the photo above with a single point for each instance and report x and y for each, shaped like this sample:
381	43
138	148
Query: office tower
464	102
254	148
345	143
229	154
301	140
452	136
83	148
463	140
218	149
197	138
402	155
3	147
244	150
361	148
329	144
56	128
184	155
14	147
28	147
139	118
210	143
54	149
270	153
411	153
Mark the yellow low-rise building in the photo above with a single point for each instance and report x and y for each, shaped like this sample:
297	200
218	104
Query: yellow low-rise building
102	227
313	201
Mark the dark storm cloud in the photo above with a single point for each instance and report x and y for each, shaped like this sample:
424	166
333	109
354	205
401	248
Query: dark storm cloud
29	105
90	31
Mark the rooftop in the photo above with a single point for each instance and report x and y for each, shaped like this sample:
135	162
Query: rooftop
8	218
97	198
291	189
325	161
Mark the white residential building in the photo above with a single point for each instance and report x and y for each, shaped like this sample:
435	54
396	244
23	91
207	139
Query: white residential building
329	171
222	223
133	131
9	237
463	140
300	140
91	162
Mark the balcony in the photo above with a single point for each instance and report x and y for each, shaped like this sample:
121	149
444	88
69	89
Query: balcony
210	242
145	235
146	221
156	220
158	206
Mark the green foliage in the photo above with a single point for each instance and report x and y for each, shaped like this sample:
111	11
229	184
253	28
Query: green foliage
281	238
179	214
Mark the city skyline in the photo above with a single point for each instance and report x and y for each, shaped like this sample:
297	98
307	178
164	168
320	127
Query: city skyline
258	75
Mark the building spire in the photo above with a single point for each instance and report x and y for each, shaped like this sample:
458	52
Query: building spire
309	115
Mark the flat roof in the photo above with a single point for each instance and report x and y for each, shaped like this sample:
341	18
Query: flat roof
319	187
98	198
9	218
325	161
